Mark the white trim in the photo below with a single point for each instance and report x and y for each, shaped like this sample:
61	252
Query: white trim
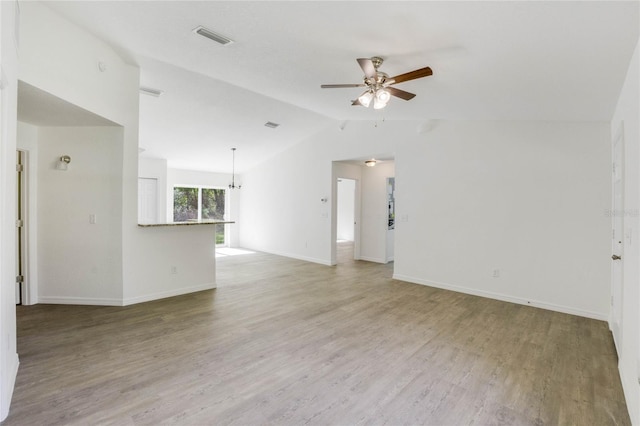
505	298
60	300
57	300
294	256
373	259
10	382
169	293
630	389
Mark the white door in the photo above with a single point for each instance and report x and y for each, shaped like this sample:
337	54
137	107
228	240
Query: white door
617	237
147	200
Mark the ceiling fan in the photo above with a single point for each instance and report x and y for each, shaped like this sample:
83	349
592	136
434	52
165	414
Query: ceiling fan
379	85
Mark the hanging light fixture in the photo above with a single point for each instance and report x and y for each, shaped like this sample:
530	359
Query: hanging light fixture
378	94
370	163
233	185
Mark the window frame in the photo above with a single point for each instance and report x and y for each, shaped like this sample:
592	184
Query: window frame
199	209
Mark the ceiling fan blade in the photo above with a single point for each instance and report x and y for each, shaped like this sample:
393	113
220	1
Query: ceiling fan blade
400	93
412	75
367	66
339	86
356	103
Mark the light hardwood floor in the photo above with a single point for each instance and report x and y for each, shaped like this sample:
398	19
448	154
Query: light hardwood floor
286	342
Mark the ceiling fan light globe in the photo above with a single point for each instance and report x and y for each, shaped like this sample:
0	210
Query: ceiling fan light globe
383	96
378	104
365	99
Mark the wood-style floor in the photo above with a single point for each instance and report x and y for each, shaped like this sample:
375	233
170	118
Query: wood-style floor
285	342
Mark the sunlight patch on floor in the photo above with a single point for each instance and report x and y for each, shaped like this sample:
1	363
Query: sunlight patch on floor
228	251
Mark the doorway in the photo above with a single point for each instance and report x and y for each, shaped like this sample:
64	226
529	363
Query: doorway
346	220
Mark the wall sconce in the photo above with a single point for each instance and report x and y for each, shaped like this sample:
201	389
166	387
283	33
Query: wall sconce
63	162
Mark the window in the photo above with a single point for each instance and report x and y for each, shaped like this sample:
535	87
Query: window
198	203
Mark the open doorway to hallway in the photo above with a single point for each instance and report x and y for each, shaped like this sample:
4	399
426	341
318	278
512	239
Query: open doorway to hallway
370	223
346	220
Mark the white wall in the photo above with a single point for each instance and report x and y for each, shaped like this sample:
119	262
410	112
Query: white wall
628	112
60	58
527	198
282	211
8	114
173	260
80	262
346	206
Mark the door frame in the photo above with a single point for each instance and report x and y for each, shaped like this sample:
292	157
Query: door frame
617	214
30	217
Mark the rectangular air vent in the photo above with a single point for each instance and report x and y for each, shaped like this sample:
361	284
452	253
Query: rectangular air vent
151	92
212	36
271	124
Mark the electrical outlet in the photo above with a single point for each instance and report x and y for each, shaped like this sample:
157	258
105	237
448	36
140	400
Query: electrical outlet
174	270
496	273
92	218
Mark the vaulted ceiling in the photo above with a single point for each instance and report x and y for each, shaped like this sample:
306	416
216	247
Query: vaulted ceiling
533	60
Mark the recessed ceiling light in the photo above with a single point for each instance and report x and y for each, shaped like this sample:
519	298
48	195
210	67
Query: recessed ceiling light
204	32
151	92
271	124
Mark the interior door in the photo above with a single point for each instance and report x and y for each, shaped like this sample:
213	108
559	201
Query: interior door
147	200
617	237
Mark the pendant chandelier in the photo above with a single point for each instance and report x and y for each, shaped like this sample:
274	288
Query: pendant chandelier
233	185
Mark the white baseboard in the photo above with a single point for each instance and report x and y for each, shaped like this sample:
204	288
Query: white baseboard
295	256
56	300
505	298
168	293
7	392
65	300
373	259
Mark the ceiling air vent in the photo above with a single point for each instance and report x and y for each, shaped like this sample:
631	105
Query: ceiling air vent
271	124
151	92
212	36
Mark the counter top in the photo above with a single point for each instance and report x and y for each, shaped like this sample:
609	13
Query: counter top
187	223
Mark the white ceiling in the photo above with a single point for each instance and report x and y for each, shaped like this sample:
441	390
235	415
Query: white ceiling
507	60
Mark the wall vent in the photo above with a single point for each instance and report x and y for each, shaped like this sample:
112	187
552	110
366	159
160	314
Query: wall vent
212	36
271	124
151	92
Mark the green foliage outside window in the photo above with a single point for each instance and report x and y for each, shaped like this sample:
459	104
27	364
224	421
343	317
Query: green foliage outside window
185	204
212	203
